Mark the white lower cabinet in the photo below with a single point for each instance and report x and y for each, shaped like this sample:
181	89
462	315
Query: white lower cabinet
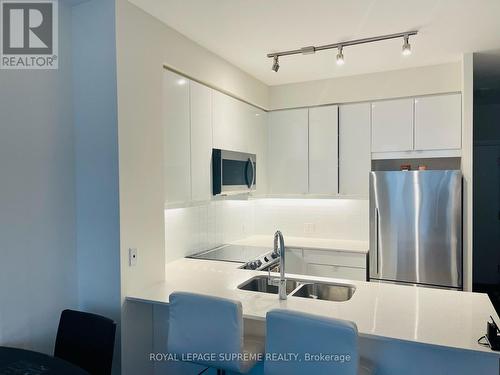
326	263
295	261
340	272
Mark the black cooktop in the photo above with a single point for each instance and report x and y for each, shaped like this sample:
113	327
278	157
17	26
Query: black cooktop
232	253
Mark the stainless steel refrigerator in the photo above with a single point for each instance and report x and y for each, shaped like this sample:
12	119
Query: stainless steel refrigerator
416	227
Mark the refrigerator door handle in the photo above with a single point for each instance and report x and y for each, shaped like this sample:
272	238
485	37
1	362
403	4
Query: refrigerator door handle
377	229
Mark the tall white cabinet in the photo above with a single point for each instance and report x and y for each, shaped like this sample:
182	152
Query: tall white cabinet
288	151
187	124
354	149
323	150
201	141
177	138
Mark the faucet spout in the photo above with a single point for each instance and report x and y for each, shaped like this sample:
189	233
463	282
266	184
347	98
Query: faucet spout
279	247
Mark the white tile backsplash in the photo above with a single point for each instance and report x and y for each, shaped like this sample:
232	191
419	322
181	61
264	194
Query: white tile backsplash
342	219
193	229
236	219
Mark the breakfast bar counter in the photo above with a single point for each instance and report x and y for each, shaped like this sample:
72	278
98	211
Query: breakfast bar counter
438	317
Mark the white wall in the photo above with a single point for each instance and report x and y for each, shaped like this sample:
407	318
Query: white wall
96	156
37	200
140	138
391	84
96	160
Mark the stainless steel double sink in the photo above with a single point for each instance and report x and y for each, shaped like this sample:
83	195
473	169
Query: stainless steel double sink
302	288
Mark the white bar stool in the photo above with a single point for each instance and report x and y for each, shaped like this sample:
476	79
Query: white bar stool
213	327
308	335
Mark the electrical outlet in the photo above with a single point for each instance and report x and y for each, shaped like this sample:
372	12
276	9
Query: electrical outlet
132	257
309	228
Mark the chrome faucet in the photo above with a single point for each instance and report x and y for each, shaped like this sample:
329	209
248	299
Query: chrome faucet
278	240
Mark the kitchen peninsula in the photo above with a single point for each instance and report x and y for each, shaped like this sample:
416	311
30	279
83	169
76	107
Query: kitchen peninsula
440	328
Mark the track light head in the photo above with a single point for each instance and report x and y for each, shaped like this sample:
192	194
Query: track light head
340	56
276	64
406	50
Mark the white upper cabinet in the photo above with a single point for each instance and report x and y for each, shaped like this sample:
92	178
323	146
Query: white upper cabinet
259	125
288	151
429	125
354	149
201	141
196	119
232	123
392	125
438	122
176	126
323	150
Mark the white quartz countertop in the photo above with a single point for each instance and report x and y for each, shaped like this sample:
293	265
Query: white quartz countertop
308	243
431	316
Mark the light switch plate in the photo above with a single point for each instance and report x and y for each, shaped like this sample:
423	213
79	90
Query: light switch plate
132	257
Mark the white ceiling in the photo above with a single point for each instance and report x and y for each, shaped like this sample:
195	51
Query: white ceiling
244	31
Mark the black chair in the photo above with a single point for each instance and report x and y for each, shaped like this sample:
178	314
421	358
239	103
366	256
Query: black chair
86	340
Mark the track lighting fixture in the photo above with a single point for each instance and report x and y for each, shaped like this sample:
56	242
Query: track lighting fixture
340	46
340	56
406	46
276	64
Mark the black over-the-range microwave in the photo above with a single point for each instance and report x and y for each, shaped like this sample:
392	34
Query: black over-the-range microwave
233	172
